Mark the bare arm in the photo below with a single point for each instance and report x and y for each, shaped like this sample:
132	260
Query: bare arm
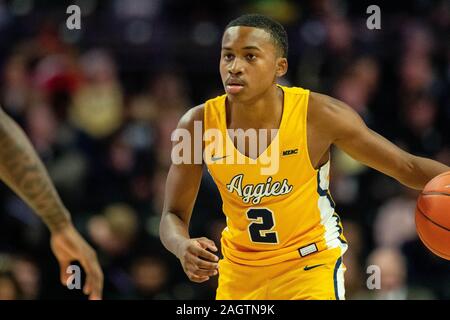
183	182
22	170
182	185
343	127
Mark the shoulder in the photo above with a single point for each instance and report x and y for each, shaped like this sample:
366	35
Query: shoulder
209	109
331	116
5	120
2	113
188	127
191	116
321	104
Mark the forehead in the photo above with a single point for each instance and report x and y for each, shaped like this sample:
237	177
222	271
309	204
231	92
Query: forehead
238	37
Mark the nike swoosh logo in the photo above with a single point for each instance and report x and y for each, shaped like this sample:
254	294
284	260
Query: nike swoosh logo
306	268
217	158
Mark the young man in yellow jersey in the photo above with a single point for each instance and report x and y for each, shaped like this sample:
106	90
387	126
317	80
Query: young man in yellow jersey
283	239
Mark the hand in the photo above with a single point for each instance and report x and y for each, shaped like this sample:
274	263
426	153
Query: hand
68	245
198	263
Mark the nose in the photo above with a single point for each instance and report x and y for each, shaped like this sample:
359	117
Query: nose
235	67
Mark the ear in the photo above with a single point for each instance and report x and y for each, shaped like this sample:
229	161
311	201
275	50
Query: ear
282	67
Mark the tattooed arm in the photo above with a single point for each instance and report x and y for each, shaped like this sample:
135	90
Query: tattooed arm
22	170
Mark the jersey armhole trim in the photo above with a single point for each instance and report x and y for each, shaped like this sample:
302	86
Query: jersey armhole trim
305	133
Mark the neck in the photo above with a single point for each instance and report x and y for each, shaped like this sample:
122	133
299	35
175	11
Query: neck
266	108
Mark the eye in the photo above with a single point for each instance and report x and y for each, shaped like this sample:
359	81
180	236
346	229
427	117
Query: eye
250	57
228	57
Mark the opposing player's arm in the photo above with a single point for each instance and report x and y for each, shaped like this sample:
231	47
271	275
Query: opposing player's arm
182	185
343	127
22	170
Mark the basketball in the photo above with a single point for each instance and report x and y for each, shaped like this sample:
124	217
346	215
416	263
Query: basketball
433	215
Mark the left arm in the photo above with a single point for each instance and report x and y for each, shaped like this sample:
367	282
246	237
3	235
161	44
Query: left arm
24	173
22	170
345	129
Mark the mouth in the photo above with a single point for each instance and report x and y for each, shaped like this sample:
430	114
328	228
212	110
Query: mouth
233	86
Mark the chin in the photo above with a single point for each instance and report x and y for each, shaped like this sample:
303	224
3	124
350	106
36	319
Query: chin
239	97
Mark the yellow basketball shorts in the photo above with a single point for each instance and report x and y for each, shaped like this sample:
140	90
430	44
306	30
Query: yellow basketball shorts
319	276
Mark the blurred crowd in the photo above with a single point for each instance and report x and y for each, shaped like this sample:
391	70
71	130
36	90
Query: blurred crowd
100	103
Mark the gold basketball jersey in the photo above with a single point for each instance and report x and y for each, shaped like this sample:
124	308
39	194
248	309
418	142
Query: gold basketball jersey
272	215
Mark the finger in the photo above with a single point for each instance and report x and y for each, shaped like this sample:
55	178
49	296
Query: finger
87	289
94	278
92	288
196	270
64	276
207	243
206	265
200	252
205	273
95	285
196	278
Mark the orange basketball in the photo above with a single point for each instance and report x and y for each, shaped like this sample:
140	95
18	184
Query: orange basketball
433	215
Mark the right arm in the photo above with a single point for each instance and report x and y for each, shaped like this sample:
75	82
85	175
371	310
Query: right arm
182	185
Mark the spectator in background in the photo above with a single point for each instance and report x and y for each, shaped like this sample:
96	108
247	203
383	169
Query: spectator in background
393	282
115	233
16	82
168	94
9	287
98	104
150	278
394	224
420	133
28	277
354	276
115	230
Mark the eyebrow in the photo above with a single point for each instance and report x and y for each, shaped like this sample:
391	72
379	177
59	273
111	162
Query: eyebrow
245	48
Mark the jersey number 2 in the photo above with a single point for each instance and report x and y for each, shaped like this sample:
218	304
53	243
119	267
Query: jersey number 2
260	229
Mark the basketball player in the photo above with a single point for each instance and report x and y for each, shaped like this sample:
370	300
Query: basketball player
23	172
283	239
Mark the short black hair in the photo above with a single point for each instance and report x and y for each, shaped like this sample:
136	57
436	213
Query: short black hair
274	28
